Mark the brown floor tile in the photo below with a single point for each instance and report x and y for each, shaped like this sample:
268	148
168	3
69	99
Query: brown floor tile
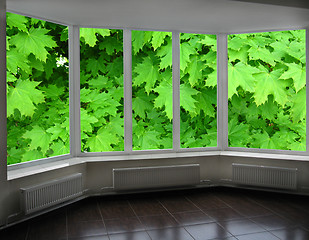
272	222
207	231
86	210
102	237
258	236
224	214
115	209
241	227
170	234
177	204
159	221
291	234
206	201
51	226
147	207
191	218
130	236
85	229
125	224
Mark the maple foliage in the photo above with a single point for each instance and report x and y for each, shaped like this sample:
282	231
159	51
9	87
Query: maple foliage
37	89
266	90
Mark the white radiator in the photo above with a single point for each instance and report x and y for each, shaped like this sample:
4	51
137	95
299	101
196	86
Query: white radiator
274	177
155	177
47	194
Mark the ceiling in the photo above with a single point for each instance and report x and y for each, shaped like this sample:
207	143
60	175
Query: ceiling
205	16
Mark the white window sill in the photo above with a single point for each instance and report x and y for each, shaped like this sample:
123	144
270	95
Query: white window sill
46	166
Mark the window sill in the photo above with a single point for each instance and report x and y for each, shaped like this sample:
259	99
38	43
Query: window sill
25	171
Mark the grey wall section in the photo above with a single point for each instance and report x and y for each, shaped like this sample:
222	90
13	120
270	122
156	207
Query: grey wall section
98	176
3	172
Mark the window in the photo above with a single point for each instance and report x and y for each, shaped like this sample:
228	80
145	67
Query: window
101	90
267	90
198	90
37	89
152	91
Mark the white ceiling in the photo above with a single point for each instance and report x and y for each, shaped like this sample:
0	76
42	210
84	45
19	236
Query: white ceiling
209	16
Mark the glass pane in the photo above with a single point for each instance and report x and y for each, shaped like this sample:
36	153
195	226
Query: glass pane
101	90
37	89
267	90
198	90
152	91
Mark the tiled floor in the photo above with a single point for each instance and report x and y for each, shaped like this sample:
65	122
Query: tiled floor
201	214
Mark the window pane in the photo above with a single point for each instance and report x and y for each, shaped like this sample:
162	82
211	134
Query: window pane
267	90
152	91
101	94
198	90
37	89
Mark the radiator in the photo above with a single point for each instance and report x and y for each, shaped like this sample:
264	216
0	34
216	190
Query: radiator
155	177
274	177
47	194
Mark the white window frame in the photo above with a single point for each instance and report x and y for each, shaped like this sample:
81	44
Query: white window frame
222	99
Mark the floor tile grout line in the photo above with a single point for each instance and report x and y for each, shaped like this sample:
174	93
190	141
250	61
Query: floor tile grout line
138	218
98	208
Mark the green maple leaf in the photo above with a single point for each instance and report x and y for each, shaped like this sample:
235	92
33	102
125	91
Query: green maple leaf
298	109
241	55
185	52
39	138
206	98
208	40
264	141
298	146
165	98
57	131
166	55
240	75
142	104
102	141
15	155
23	97
52	91
86	121
257	52
111	46
16	20
238	134
15	61
269	83
158	38
195	69
297	73
147	141
186	98
96	65
137	41
236	42
269	109
90	35
148	73
35	41
31	155
59	148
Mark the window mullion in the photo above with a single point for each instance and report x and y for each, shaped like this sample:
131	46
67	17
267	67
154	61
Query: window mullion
3	117
222	96
176	91
307	91
74	90
127	62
